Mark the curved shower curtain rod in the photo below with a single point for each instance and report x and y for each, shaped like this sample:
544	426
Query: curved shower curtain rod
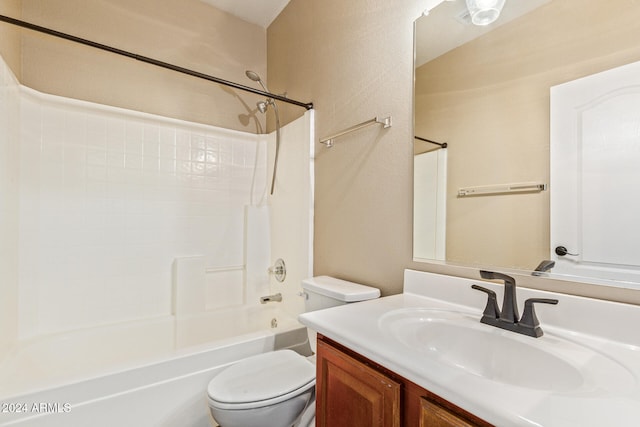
151	61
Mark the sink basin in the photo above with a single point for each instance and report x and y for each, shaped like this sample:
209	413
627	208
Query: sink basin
459	340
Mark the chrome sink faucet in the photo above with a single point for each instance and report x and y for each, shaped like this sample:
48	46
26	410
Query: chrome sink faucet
507	317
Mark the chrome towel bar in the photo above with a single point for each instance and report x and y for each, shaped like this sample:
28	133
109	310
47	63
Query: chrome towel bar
385	122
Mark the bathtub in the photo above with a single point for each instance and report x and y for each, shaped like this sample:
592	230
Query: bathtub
145	373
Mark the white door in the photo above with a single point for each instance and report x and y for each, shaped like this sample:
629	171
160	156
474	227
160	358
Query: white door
595	175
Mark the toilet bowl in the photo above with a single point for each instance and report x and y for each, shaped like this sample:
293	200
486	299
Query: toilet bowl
277	389
270	389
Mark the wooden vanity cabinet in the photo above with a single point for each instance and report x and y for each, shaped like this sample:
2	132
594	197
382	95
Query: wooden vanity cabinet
352	391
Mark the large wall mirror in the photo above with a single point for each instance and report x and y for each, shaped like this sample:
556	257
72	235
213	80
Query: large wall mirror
485	199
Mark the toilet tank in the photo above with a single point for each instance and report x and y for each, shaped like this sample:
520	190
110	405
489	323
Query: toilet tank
325	292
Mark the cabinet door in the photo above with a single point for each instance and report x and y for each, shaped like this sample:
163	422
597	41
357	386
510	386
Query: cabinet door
434	415
352	394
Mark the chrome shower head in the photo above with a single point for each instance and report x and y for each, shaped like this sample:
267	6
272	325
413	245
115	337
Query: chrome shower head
256	78
262	106
253	75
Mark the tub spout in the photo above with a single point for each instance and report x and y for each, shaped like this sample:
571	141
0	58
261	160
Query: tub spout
271	298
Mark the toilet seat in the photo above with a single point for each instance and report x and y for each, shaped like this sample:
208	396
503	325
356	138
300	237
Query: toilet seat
262	380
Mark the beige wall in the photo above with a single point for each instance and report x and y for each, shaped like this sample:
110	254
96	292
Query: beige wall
188	33
10	35
490	100
354	60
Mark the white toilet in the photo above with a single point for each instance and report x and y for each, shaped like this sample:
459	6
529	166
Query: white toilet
277	389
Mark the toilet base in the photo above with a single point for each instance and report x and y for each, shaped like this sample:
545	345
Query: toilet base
283	414
308	418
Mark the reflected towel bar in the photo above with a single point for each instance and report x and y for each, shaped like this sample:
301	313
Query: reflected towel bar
502	189
385	122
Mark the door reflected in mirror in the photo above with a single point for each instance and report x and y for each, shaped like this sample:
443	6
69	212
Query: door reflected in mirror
485	91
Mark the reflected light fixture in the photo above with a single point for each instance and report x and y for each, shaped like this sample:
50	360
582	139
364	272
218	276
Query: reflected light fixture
484	12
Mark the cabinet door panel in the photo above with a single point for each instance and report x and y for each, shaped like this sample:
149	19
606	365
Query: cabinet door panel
359	395
434	415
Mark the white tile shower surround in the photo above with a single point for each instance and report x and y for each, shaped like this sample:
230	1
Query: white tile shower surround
109	197
98	205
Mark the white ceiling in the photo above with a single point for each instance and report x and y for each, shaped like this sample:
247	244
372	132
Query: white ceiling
261	12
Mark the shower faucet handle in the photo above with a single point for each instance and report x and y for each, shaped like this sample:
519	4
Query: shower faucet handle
279	270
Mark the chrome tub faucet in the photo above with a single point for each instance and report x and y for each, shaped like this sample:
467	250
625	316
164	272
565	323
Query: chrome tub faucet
271	298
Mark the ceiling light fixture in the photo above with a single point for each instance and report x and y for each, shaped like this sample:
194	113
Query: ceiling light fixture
484	12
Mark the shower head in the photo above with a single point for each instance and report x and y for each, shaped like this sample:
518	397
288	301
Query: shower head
253	75
262	106
256	78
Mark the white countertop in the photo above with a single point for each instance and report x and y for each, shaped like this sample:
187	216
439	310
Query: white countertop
609	329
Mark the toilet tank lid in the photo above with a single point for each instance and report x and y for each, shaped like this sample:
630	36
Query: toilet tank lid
339	289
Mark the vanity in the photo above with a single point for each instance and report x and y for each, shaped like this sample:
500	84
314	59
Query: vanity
423	358
355	391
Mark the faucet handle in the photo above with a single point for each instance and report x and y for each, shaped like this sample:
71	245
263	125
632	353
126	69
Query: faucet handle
529	319
491	310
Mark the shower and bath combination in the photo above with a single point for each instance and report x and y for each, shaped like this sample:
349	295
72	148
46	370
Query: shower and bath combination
262	106
165	339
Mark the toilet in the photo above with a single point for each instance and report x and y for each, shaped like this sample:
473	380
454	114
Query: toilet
277	389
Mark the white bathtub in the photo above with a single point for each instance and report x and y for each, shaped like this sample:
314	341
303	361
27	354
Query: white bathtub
146	373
